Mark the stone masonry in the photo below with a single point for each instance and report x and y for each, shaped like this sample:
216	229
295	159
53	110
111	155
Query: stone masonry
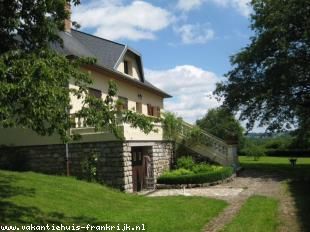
114	166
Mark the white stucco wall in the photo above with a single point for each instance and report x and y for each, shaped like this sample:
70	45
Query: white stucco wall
131	92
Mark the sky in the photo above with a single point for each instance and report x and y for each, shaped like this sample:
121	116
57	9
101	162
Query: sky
185	44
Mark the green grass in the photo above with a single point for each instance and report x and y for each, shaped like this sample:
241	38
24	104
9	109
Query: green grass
298	181
41	199
280	165
300	190
258	214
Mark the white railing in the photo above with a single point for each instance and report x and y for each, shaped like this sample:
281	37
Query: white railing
215	148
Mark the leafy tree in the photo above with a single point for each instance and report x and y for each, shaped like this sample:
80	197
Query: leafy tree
252	150
221	123
270	79
34	80
171	126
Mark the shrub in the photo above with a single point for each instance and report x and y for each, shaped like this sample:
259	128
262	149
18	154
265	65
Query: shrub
89	167
185	162
202	168
288	153
196	178
178	172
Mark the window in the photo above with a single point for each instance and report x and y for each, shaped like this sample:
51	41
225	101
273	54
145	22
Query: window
153	110
122	103
94	92
126	67
139	107
149	110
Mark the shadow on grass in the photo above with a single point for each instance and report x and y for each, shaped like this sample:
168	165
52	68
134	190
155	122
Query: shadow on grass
7	189
298	183
300	191
13	214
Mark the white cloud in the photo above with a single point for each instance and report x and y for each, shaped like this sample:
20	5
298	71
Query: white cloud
242	6
114	20
187	5
191	88
195	33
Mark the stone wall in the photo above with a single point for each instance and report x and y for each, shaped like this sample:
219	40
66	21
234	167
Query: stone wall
163	157
48	159
51	159
114	167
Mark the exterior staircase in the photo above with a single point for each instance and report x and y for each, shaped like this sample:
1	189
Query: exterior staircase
212	147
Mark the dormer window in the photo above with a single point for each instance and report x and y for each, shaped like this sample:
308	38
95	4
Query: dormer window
127	67
126	70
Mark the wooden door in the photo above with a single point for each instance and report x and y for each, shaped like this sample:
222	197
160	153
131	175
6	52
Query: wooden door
137	168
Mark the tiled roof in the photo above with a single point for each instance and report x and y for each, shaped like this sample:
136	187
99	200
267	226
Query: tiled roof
106	52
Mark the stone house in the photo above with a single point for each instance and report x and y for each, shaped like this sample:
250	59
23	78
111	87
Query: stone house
130	165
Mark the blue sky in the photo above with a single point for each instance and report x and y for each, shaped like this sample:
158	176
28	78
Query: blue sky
185	44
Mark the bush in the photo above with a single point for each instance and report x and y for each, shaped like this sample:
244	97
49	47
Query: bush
288	153
178	172
185	162
202	168
196	178
89	167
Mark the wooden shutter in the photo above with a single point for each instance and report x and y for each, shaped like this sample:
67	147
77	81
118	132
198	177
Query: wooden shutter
158	112
149	109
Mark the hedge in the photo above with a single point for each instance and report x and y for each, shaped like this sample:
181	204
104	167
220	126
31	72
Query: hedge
197	178
288	153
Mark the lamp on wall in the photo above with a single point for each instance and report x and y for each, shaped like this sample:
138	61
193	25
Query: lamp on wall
140	96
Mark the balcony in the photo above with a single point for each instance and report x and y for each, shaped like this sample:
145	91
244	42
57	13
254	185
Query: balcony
129	133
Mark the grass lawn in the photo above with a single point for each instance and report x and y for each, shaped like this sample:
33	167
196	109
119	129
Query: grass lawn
280	165
258	214
298	181
27	198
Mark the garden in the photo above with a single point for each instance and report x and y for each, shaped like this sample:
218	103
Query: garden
189	172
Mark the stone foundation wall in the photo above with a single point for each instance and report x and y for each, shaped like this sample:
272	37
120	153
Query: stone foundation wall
114	166
51	159
163	158
48	159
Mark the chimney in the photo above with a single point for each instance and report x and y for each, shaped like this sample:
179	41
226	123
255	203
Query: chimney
68	23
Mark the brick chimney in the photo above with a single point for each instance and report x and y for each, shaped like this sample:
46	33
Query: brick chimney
68	22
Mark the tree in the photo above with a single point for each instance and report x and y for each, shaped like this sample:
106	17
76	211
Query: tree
221	123
34	80
171	126
270	78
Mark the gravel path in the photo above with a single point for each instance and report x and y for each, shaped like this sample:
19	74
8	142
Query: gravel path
237	192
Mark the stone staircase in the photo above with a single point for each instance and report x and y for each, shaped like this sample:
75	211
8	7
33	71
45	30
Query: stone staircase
212	147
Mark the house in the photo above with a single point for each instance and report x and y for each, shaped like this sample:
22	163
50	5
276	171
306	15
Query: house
130	165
